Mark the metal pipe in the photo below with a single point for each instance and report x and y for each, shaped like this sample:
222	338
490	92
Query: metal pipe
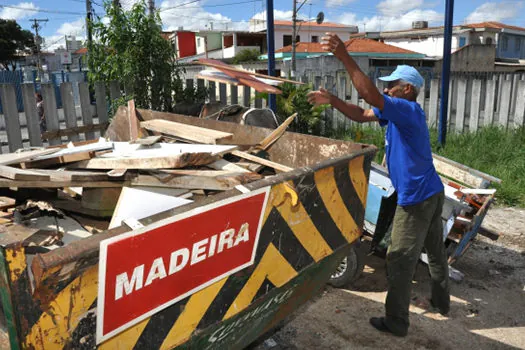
445	72
271	50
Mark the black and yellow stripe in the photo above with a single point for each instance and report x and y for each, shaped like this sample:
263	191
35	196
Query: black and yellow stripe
306	220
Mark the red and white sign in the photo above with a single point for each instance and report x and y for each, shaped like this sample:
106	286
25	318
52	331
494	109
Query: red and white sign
144	271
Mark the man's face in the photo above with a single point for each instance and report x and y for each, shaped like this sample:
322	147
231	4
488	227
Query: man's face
396	89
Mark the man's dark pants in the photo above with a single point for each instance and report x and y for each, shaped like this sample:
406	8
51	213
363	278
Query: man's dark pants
414	227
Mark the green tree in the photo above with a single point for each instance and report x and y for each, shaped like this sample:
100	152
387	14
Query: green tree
130	48
13	41
248	55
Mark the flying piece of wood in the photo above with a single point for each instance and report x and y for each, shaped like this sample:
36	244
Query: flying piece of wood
262	161
21	174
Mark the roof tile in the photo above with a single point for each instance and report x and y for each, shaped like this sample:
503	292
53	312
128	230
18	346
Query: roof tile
361	45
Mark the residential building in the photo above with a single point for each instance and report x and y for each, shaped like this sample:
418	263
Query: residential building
306	31
509	41
183	43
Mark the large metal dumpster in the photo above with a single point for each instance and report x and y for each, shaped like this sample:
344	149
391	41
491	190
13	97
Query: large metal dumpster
302	223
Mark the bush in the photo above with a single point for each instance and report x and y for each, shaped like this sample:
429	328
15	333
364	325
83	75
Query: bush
248	55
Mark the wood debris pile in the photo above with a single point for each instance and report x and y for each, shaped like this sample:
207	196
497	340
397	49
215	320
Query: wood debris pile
55	195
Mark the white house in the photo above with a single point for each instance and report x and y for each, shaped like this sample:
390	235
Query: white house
306	31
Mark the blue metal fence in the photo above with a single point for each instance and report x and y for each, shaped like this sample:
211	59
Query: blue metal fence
16	78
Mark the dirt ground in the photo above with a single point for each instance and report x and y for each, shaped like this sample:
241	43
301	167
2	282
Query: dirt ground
487	310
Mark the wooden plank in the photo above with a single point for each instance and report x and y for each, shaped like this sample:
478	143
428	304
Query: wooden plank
457	174
100	97
75	175
461	105
187	132
85	107
68	104
274	136
490	100
504	110
50	110
200	172
519	113
166	162
21	174
475	105
63	159
32	119
74	131
222	93
222	164
5	183
148	141
234	95
72	205
20	157
246	97
6	203
433	104
132	121
114	90
261	161
12	121
222	66
219	183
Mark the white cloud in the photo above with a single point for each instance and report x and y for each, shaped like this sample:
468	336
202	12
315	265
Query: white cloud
332	3
278	15
16	14
57	40
398	7
494	11
384	23
194	17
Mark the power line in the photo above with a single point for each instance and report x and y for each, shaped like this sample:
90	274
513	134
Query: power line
42	10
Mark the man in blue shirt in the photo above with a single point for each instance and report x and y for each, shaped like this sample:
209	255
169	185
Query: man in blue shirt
417	222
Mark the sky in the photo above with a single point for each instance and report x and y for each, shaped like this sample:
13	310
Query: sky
67	17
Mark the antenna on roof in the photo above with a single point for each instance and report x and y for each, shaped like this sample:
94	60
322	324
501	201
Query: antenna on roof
320	18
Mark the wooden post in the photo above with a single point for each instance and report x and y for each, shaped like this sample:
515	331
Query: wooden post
234	95
490	98
222	93
505	103
461	104
258	103
475	105
520	104
68	104
50	111
100	96
433	103
85	107
12	121
247	96
32	119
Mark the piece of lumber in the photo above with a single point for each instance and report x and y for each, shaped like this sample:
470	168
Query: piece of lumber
48	135
24	156
75	206
186	132
15	234
175	161
22	174
6	183
67	158
6	202
491	234
219	183
206	173
148	141
262	161
100	198
269	140
222	164
129	204
218	65
132	121
75	175
462	173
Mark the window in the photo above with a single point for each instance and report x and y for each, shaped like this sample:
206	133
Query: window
315	38
287	40
488	41
198	41
462	41
518	44
504	43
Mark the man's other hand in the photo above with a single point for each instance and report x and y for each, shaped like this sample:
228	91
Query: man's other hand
332	43
320	97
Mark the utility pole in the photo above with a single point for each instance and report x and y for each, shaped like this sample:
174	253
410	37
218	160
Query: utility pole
270	39
151	6
445	75
38	41
294	36
89	29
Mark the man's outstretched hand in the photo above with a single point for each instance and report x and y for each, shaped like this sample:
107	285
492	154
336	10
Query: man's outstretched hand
332	43
320	97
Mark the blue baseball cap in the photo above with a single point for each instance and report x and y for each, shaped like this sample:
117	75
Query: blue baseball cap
406	73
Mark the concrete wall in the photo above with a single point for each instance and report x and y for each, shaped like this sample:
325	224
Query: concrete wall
430	46
214	42
471	58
